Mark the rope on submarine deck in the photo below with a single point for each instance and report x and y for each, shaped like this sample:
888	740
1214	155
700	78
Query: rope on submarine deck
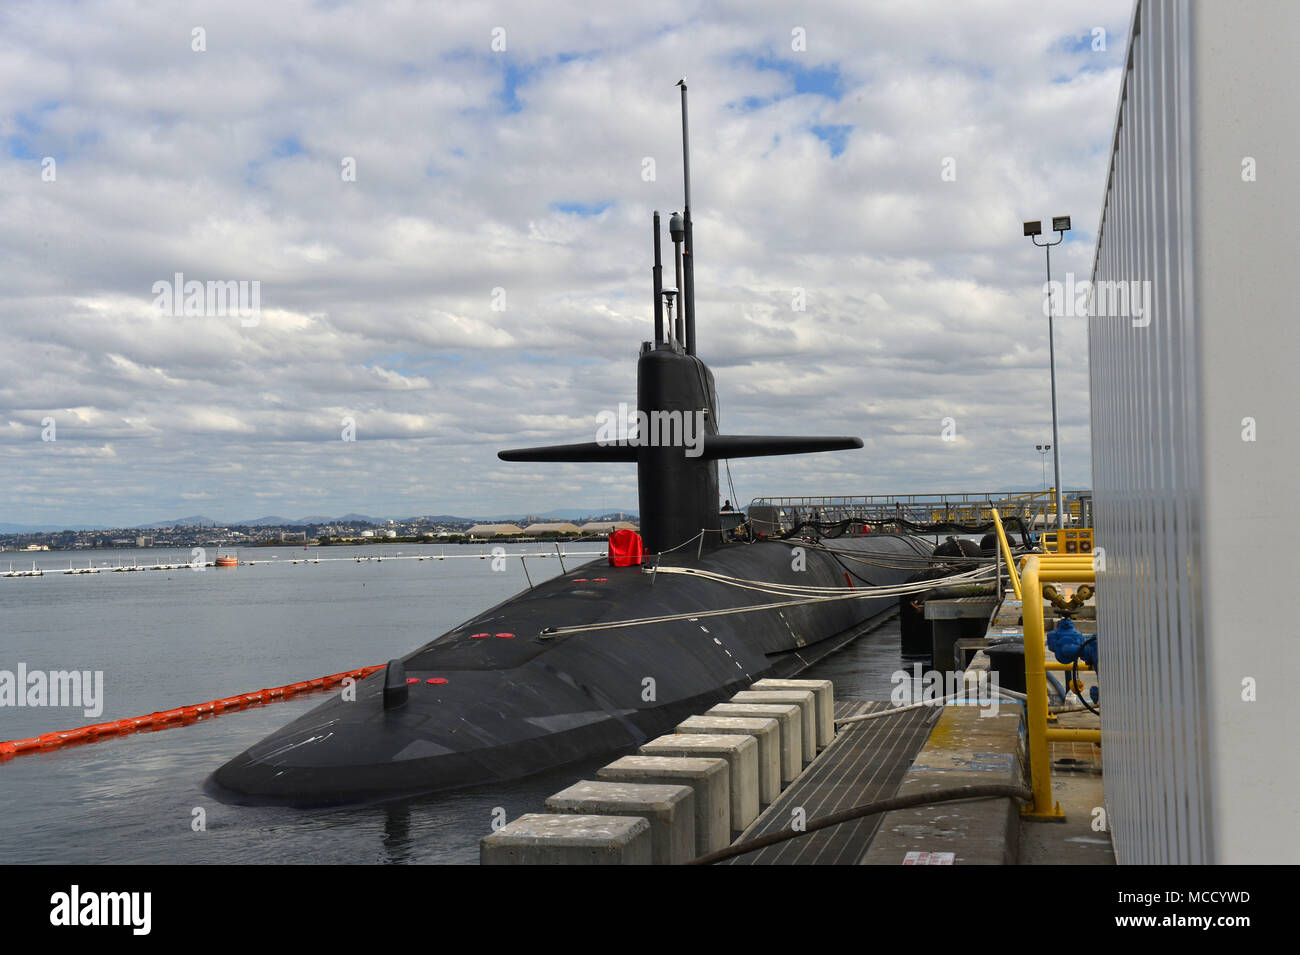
808	590
819	595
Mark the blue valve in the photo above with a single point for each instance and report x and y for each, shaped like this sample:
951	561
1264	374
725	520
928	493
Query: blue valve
1069	644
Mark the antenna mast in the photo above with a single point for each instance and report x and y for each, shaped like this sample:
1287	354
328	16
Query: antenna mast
687	309
659	286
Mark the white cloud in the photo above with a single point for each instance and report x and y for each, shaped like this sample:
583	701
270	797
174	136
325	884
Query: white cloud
923	299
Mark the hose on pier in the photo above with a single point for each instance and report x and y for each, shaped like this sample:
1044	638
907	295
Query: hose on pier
956	793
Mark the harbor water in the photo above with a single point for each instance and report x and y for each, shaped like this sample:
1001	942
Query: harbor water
169	638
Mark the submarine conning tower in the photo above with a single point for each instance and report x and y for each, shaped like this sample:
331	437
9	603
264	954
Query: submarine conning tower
676	445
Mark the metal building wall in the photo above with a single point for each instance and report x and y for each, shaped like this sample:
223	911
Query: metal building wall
1193	518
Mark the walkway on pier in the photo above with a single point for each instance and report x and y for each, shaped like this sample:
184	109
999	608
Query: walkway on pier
864	763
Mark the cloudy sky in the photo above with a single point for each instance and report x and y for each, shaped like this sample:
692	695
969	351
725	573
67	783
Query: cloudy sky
879	156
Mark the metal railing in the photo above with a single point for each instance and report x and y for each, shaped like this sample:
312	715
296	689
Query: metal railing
1035	508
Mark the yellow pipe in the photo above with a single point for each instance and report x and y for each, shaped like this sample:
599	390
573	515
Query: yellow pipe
1053	665
1040	766
1006	555
1067	575
1036	571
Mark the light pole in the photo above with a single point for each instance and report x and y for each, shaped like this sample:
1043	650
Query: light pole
1060	225
1042	450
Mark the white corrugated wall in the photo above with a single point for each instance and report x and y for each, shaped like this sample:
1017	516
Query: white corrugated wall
1197	522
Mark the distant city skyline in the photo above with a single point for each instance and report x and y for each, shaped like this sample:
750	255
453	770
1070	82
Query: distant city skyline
199	521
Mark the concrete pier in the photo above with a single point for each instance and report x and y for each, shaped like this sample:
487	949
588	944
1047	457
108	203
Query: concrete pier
549	839
790	716
670	811
741	754
765	730
709	777
823	690
967	747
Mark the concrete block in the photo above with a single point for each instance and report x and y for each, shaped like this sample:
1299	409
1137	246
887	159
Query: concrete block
806	701
741	754
670	810
547	839
768	733
790	716
825	693
708	776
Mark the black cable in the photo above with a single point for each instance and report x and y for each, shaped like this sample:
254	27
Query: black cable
1074	678
848	570
985	791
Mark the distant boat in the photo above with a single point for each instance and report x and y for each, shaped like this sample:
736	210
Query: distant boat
227	560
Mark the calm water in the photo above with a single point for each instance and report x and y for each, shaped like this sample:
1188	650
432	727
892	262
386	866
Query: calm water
172	638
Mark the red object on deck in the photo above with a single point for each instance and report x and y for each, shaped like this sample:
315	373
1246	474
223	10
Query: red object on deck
624	548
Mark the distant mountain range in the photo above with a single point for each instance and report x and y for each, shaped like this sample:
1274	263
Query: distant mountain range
195	520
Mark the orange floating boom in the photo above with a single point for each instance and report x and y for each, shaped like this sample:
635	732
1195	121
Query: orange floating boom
183	715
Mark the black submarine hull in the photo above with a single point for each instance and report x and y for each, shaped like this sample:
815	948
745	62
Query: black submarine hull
510	706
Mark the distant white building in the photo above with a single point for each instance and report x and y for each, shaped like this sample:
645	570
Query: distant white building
494	530
558	528
607	527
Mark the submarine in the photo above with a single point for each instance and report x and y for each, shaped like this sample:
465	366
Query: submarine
617	651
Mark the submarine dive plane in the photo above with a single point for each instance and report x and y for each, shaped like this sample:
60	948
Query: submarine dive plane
602	658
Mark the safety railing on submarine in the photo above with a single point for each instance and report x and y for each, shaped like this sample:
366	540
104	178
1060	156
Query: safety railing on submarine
1034	508
1035	571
